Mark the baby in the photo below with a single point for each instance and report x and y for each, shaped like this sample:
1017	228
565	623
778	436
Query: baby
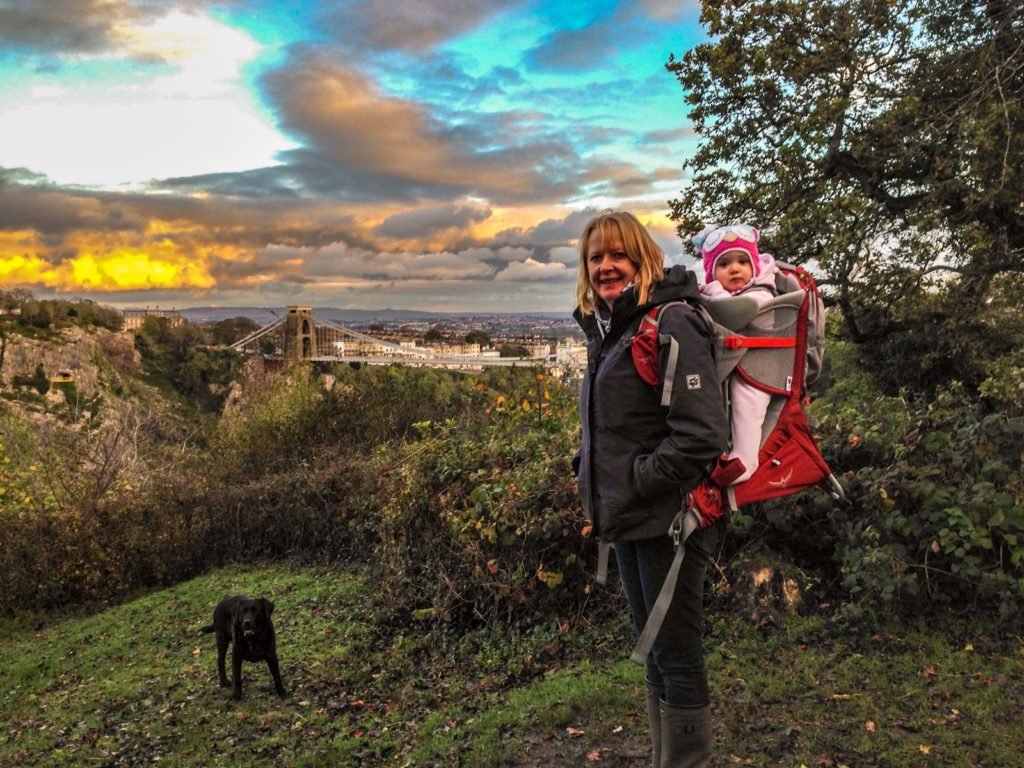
733	266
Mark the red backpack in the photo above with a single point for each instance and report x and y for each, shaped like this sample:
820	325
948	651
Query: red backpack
782	361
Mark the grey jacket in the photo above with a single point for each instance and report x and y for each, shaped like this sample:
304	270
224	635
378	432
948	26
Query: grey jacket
638	459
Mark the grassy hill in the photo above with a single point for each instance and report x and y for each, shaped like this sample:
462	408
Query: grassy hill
134	684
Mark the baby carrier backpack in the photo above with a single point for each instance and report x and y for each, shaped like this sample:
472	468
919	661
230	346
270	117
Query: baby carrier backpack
781	357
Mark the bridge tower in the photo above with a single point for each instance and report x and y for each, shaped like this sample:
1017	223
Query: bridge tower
299	333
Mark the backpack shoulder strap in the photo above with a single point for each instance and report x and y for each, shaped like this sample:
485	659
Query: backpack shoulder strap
647	340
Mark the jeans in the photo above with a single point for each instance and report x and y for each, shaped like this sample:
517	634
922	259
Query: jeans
677	657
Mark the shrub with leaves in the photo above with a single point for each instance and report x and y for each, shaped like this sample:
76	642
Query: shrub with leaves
936	499
483	523
70	530
943	522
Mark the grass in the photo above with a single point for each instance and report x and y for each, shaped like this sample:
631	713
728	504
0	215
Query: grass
136	685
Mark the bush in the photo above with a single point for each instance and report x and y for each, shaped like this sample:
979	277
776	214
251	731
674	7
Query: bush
943	522
459	488
483	524
935	512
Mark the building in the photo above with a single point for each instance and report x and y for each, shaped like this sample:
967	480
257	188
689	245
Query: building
570	354
134	318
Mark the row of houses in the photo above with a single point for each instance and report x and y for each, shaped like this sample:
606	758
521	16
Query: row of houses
565	352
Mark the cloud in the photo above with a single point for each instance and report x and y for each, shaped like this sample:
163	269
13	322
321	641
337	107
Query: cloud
589	46
668	10
609	36
550	232
418	27
69	27
534	271
670	134
566	254
50	211
361	143
104	130
424	222
58	25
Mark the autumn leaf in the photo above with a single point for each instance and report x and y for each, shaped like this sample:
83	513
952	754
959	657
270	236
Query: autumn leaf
869	726
924	750
594	756
929	672
574	731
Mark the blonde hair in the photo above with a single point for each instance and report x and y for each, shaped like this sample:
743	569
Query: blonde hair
640	248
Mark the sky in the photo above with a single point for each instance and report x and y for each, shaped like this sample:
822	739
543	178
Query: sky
432	155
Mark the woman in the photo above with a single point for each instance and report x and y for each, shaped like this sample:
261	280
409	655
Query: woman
638	460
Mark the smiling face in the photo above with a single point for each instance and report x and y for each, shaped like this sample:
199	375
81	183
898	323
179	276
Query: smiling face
734	270
608	266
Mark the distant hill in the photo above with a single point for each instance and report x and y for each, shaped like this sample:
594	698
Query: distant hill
264	315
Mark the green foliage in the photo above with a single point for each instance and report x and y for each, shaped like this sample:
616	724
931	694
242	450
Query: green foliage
74	527
226	332
481	522
513	350
434	334
936	500
38	381
477	336
54	314
276	423
947	338
458	488
1004	386
179	357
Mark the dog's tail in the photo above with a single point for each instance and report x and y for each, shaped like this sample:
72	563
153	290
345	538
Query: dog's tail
206	630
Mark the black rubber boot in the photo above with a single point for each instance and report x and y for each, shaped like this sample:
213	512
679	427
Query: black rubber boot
654	694
685	736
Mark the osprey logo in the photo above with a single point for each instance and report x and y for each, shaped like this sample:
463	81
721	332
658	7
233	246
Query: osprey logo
693	381
783	482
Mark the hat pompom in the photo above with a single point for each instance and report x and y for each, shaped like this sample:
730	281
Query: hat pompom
698	239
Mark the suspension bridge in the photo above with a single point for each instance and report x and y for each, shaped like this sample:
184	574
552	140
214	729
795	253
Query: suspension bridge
298	336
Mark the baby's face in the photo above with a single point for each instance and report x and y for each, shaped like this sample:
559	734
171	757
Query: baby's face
734	270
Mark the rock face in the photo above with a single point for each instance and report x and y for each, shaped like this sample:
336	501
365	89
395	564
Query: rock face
90	366
84	356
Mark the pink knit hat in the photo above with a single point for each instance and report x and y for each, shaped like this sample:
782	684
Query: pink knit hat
713	241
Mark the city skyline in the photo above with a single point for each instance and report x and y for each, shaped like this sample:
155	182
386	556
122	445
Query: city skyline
442	155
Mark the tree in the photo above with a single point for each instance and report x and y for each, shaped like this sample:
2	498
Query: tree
476	336
869	142
227	332
434	334
513	350
179	357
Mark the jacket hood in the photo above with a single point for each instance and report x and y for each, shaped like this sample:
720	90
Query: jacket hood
678	283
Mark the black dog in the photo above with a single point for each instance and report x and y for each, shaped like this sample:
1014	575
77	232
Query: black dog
244	623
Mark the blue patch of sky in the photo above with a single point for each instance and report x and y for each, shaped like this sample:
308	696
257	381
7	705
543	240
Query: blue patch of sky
75	74
272	24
